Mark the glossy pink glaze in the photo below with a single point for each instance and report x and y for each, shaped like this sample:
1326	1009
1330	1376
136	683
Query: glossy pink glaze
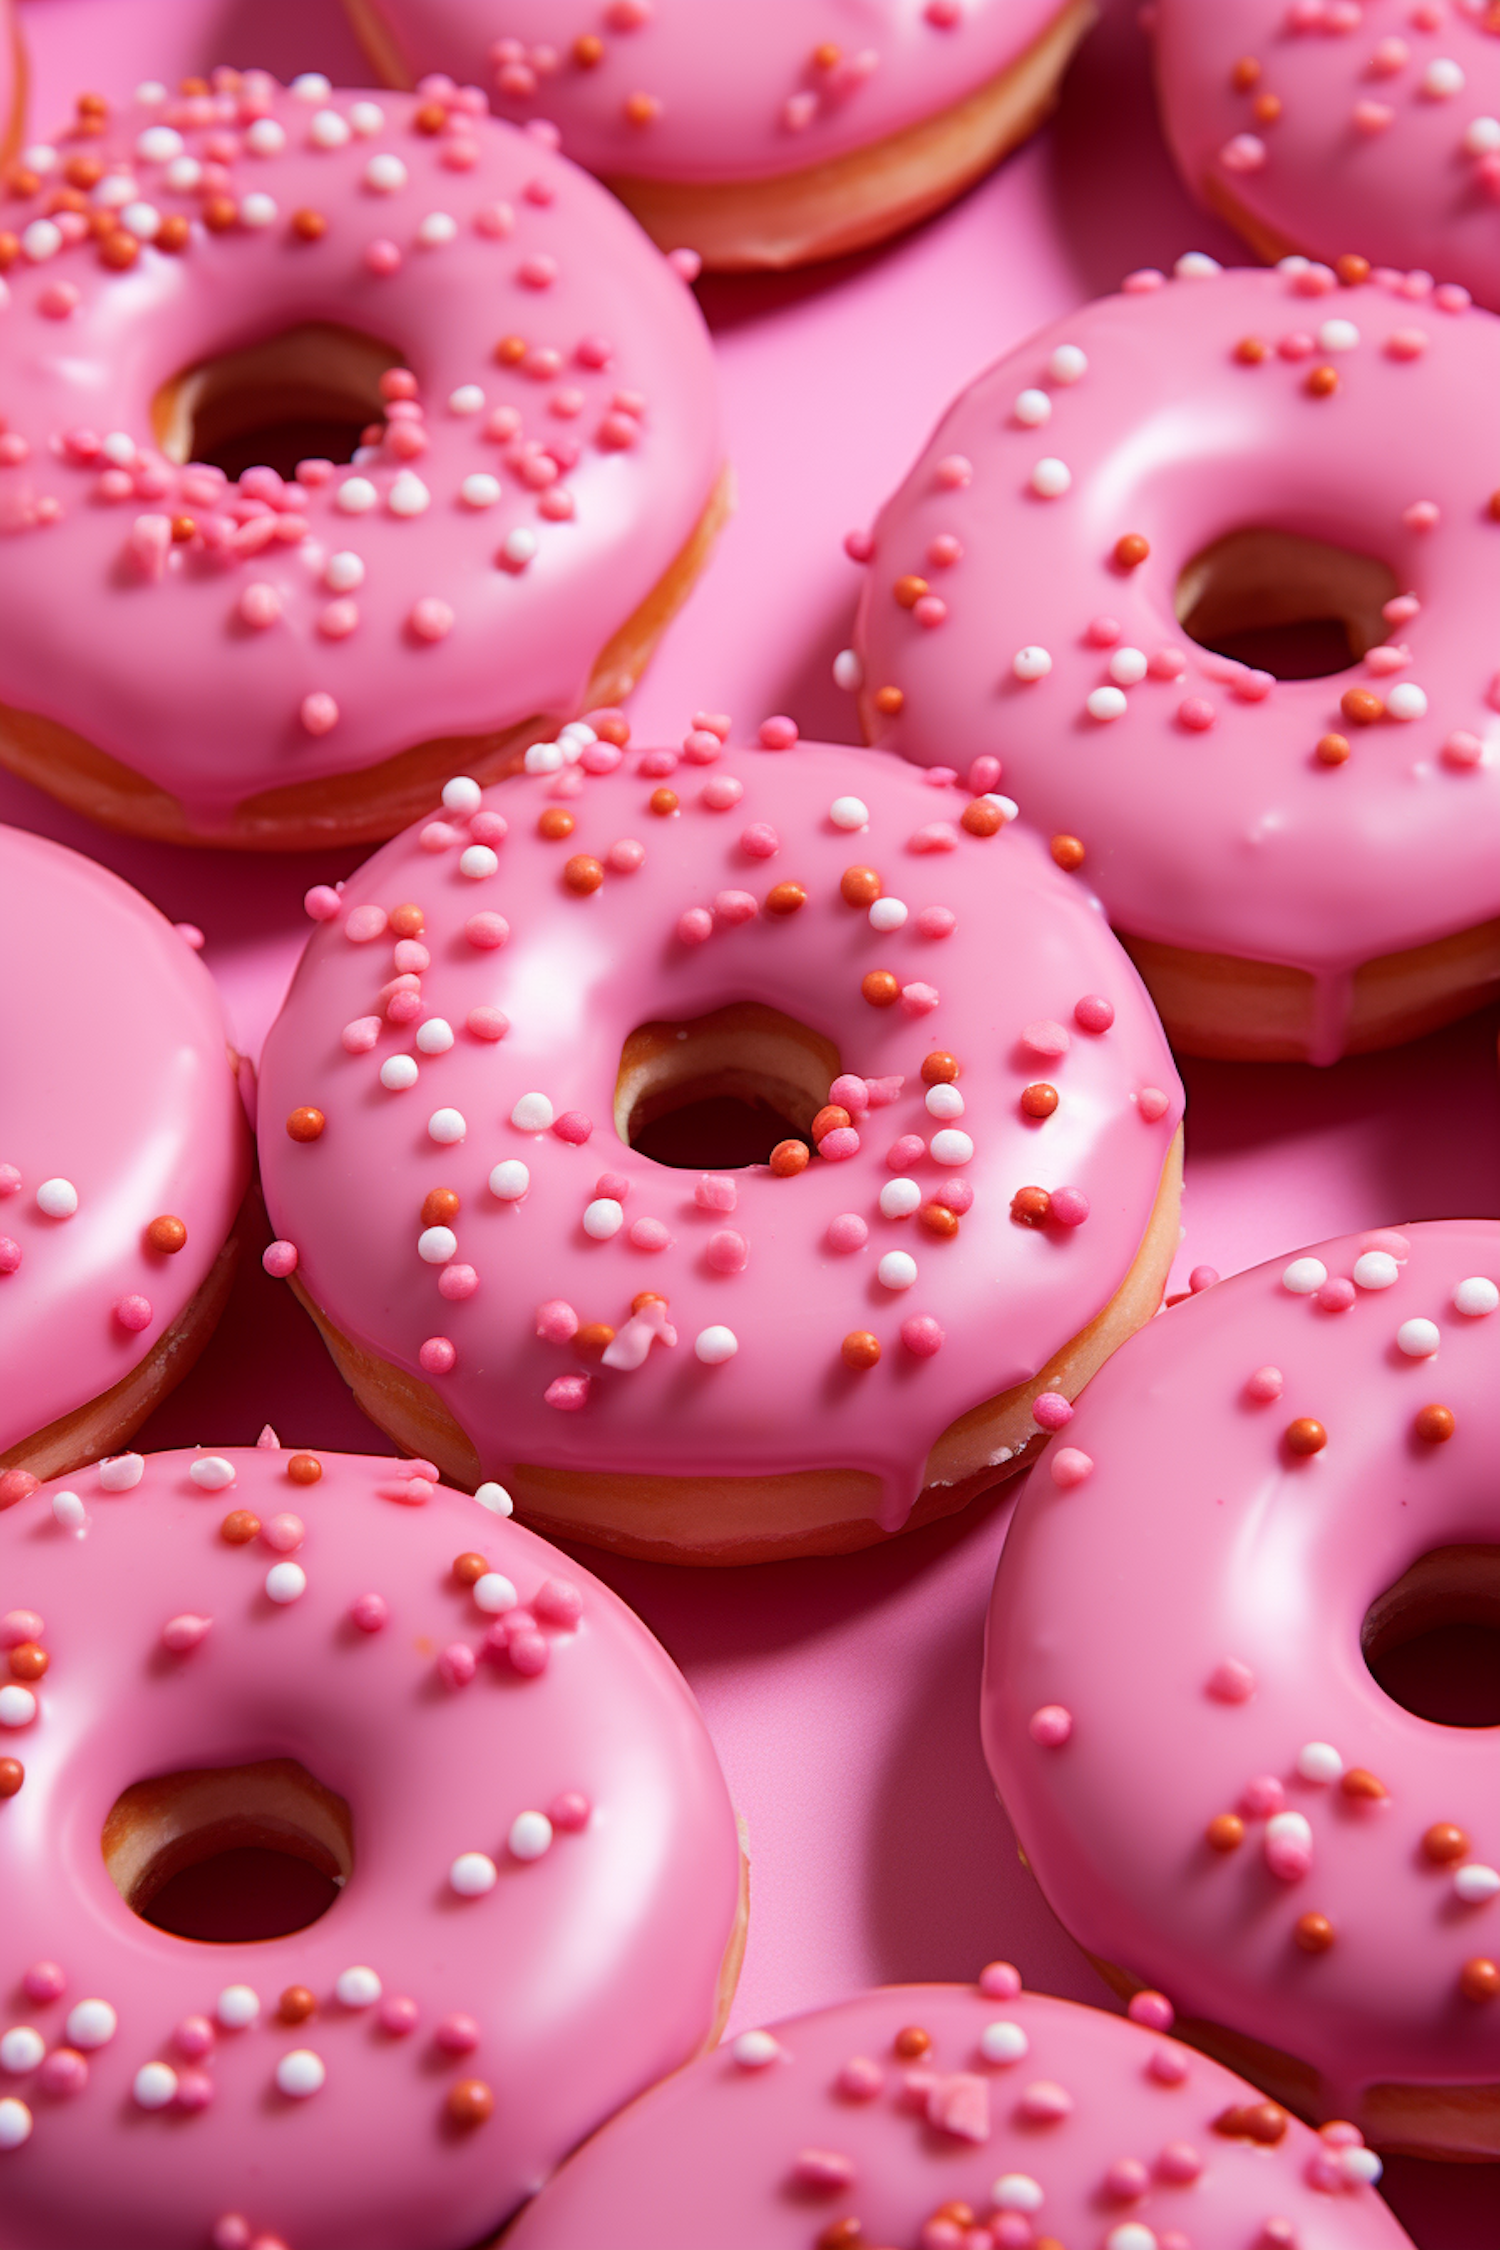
1208	821
194	663
587	1972
1132	2162
739	94
576	976
1266	1563
1386	141
114	1077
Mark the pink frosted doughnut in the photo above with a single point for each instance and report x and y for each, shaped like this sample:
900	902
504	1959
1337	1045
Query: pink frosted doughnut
731	1360
505	1774
1324	126
1284	1481
758	132
287	659
124	1156
961	2117
1304	866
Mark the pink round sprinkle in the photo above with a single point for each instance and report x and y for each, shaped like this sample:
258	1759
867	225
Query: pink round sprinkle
193	2037
716	1191
457	1282
1179	2163
556	1321
695	925
777	733
726	1251
1463	749
1168	2065
63	2073
624	857
760	840
567	1394
486	932
10	1254
1196	713
430	619
259	605
1264	1385
904	1152
1153	1103
457	1664
700	747
936	922
10	1179
557	1601
1093	1012
437	1356
984	775
397	2015
1201	1277
133	1313
487	1023
1051	1411
956	1196
489	827
922	1335
180	1634
1336	1295
824	2170
1047	1038
18	1625
1045	2103
860	2080
382	257
321	903
359	1037
572	1126
839	1145
847	1232
733	907
1070	1207
1070	1467
850	1093
954	471
613	1186
1422	515
1231	1681
369	1612
456	2034
529	1653
1263	1797
1050	1726
722	792
1127	2179
1153	2009
998	1980
649	1234
319	713
44	1980
285	1533
280	1259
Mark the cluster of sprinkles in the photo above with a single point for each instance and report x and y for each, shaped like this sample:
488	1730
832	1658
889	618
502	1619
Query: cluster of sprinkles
161	1238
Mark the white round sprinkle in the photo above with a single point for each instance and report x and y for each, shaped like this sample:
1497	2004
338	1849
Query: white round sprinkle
1442	79
69	1511
1196	265
1067	364
17	1706
530	1835
1304	1276
848	672
1003	2042
356	496
265	137
753	2050
1474	1884
286	1582
1476	1296
155	2086
21	2049
385	174
1017	2191
15	2122
1127	667
462	796
408	495
1106	703
343	572
159	143
40	158
945	1102
358	1987
479	490
899	1198
367	118
897	1270
495	1497
1032	409
467	399
1482	137
1406	701
398	1072
438	228
447	1127
300	2073
545	757
1376	1269
92	2023
1031	664
603	1217
436	1245
1419	1339
510	1180
952	1147
714	1345
310	86
143	220
519	547
533	1113
1131	2236
472	1874
1051	478
41	240
257	210
237	2006
121	1472
1360	2165
494	1594
849	812
435	1036
1338	336
183	175
211	1472
328	130
578	732
1320	1762
477	861
57	1198
888	914
150	94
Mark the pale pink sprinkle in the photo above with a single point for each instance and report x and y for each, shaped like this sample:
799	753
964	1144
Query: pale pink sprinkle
410	958
10	1254
1245	152
905	1152
10	1179
369	1612
382	257
556	1321
1251	686
922	1335
193	2037
919	999
486	932
58	299
572	1126
437	1356
700	747
1262	1798
859	546
439	836
760	841
1045	2103
726	1251
1153	2009
937	836
44	1980
860	2080
1127	2179
1152	1103
180	1634
777	733
1394	1244
528	1652
337	620
880	1092
943	552
930	610
568	1393
732	907
1046	1038
715	1191
1070	1207
259	605
133	1313
398	2015
319	713
1335	1296
952	472
1422	515
712	722
1296	345
405	1006
1051	1411
1050	1726
612	1186
649	1234
284	1533
457	1664
557	1601
1463	750
321	903
1196	713
1265	1385
1102	632
936	922
839	1145
824	2170
999	1980
597	757
63	2073
570	1811
1288	1847
430	619
1070	1467
1144	281
1406	343
1229	1682
455	1283
1179	2163
956	1196
456	2035
279	1260
625	856
695	925
847	1232
722	792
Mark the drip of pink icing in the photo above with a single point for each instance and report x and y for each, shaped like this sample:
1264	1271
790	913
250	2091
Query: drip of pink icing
1383	142
511	516
739	91
804	1262
1208	820
1258	1701
114	1082
583	1973
1091	2126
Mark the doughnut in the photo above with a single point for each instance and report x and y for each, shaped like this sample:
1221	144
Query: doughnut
1324	127
734	1349
494	1780
956	2117
760	133
124	1158
1110	544
1208	1704
353	440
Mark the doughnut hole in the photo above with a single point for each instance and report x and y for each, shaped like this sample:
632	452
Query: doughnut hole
310	392
717	1092
1283	603
228	1855
1432	1640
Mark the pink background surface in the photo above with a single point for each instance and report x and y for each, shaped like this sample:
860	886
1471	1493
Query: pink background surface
843	1696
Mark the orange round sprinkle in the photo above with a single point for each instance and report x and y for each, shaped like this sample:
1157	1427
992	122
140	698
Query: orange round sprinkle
827	56
662	802
1495	505
1321	382
296	2004
645	1297
1445	1842
509	350
859	1349
183	529
909	591
788	1158
880	988
470	2102
219	214
83	171
1313	1932
1359	1782
23	182
981	819
306	1124
1480	1980
1332	749
10	249
1039	1100
1225	1832
611	726
555	823
119	250
594	1337
1131	550
583	874
641	109
174	234
785	898
1352	269
1251	350
309	225
239	1527
1031	1207
166	1234
841	2234
1266	108
1068	852
1435	1424
430	118
407	919
890	702
92	105
194	88
304	1468
939	1220
12	1774
829	1118
28	1660
1305	1436
588	50
64	199
469	1568
1362	705
440	1206
1263	2122
912	2041
939	1068
860	886
1245	74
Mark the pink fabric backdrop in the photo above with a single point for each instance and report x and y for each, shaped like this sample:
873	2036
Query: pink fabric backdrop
842	1695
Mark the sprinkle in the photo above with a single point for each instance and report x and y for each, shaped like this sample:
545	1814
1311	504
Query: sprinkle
300	2073
1304	1276
58	1199
1232	1682
1050	478
1003	2042
15	2123
472	1874
714	1346
155	2086
1071	1467
1032	409
21	2049
1419	1339
530	1836
1476	1297
91	2024
1288	1846
122	1473
754	2050
1068	364
494	1593
603	1218
533	1113
237	2007
180	1634
384	174
1031	663
1375	1269
1045	2103
1319	1762
510	1180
